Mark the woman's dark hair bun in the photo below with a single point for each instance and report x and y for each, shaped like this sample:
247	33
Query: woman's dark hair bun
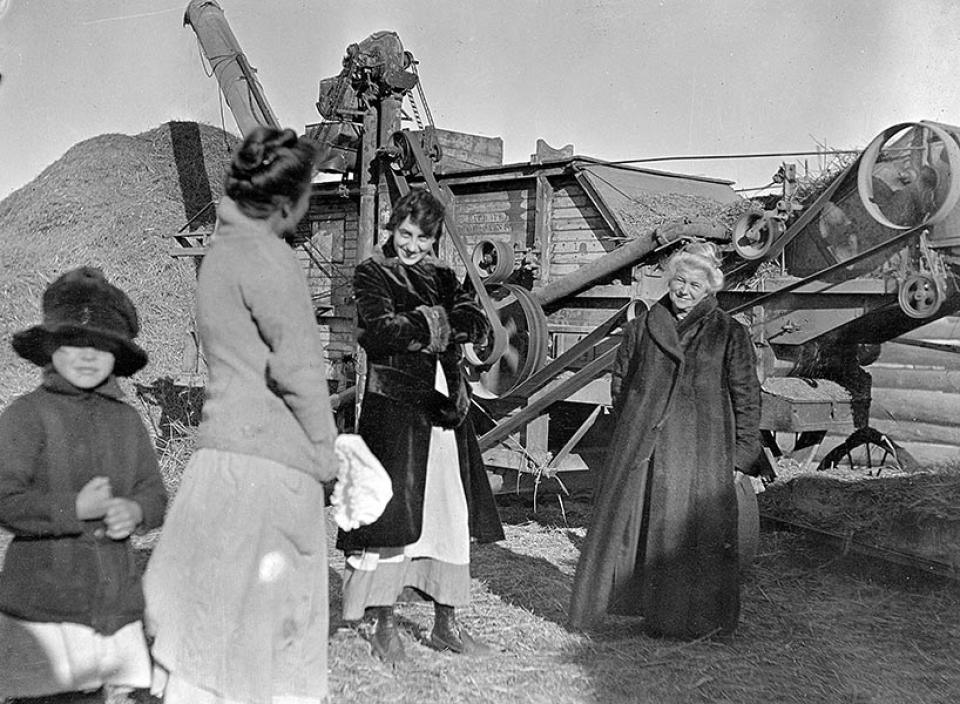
287	139
270	167
255	155
248	160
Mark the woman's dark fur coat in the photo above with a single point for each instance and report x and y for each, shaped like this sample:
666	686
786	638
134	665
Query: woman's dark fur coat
663	543
400	404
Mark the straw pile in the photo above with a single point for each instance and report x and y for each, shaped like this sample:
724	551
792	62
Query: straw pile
108	202
919	512
651	210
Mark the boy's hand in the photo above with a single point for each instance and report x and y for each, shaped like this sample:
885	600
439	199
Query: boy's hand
122	518
92	499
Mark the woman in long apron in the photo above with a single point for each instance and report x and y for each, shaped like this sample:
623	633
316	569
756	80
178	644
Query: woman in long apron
413	314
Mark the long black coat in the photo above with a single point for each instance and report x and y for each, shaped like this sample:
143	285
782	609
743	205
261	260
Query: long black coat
399	403
663	542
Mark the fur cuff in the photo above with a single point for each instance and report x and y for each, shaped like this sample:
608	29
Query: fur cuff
439	325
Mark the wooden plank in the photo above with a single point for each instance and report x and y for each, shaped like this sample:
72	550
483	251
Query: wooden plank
582	244
461	150
571	188
188	252
579	204
901	355
562	268
567	199
916	406
346	212
522	174
197	234
907	431
571	318
579	259
887	377
542	231
594	223
516	231
471	202
945	329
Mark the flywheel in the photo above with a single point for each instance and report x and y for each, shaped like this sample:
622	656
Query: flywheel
908	175
527	343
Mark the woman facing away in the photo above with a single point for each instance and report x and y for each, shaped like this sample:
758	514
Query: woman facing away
237	587
663	542
413	314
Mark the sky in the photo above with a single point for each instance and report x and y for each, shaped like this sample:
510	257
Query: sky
618	79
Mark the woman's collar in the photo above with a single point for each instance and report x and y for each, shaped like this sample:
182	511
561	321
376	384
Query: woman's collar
231	217
703	307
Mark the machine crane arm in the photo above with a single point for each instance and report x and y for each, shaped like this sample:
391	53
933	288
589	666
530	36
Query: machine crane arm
237	79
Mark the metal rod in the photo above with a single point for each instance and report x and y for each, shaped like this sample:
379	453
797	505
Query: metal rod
939	346
713	157
536	408
558	365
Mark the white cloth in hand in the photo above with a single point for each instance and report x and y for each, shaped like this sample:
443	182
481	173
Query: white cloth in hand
363	486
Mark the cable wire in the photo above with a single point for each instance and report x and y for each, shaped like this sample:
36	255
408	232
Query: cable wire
714	157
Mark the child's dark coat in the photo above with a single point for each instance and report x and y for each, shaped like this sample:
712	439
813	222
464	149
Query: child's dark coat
53	440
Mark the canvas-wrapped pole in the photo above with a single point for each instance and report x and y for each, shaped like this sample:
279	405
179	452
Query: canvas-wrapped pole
237	79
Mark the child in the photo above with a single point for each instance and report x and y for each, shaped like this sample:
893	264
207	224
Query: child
78	474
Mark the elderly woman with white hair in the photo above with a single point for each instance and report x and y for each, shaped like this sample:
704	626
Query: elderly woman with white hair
663	542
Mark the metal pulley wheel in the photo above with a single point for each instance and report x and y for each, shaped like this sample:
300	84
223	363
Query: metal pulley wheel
405	159
909	175
494	260
636	306
921	295
528	338
755	233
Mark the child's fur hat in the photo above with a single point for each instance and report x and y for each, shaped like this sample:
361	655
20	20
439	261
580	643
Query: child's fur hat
81	309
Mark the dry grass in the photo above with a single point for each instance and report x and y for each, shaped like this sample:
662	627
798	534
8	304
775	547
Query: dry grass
815	627
868	504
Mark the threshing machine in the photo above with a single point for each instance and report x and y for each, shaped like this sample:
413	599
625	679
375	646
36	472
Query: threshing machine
563	247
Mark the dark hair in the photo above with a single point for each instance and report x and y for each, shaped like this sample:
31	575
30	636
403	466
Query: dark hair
423	209
271	167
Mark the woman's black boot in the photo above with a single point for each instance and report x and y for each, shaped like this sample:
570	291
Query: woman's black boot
448	635
386	637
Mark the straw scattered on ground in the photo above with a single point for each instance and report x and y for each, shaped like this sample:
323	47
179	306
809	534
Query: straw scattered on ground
815	627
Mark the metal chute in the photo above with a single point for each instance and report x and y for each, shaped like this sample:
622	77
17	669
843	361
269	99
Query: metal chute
237	78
